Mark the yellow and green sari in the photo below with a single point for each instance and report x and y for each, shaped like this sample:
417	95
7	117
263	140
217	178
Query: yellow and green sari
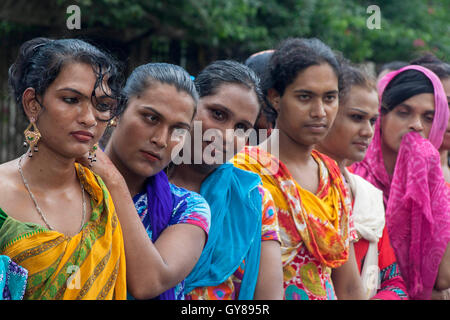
89	265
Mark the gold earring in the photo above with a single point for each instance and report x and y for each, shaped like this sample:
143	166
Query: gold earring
92	157
113	122
32	137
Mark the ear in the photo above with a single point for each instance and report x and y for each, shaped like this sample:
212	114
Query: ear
274	97
30	105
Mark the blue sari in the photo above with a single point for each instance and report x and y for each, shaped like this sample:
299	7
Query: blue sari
235	234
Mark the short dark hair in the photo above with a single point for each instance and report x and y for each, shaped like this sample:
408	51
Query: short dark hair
225	72
352	76
294	55
259	63
393	65
430	61
40	61
148	74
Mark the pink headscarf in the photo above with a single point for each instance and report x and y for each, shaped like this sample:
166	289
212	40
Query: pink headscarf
415	197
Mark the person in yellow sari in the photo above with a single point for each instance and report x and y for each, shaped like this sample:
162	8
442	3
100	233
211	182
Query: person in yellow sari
57	218
89	265
311	199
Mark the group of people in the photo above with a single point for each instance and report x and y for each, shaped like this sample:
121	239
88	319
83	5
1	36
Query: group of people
346	198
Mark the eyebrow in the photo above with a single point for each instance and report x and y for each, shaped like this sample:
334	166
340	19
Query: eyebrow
184	124
81	94
411	108
313	93
359	110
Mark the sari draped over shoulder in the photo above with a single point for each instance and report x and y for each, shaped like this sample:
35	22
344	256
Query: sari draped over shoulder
235	234
89	265
314	228
415	196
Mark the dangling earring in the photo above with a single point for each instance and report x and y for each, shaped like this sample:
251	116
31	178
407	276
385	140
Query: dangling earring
32	137
92	157
112	122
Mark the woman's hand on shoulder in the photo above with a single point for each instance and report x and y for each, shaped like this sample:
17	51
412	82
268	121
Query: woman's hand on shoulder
102	166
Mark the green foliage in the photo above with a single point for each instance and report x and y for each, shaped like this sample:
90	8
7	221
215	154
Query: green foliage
241	27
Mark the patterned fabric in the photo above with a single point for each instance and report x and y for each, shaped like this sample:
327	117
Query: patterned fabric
416	196
392	285
236	207
314	228
13	279
229	290
188	207
89	265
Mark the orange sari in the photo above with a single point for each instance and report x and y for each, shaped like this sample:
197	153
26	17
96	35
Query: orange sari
314	228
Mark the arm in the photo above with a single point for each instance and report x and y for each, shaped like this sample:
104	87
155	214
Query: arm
151	268
270	276
346	279
443	277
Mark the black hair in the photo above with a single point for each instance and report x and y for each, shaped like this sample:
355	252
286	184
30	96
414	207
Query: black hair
294	55
259	63
393	65
403	86
148	74
40	61
224	72
430	61
352	76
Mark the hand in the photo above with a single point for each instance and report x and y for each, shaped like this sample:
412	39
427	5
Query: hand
102	166
440	295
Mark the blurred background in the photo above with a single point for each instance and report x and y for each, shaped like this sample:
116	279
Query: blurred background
193	33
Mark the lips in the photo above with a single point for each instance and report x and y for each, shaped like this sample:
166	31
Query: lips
82	136
317	127
151	156
362	145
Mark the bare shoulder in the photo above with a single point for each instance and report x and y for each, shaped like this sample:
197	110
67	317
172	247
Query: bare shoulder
10	183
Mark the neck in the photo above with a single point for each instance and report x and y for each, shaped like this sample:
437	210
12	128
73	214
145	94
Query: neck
189	176
341	162
389	158
444	158
290	151
134	182
48	169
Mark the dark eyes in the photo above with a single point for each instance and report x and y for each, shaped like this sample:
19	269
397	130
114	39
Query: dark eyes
330	98
70	100
218	115
306	97
429	118
360	118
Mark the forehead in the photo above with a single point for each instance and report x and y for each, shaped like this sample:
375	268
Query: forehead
317	78
76	75
420	103
167	100
240	100
363	99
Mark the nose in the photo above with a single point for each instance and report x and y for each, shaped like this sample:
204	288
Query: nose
160	137
87	115
416	125
317	109
367	130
